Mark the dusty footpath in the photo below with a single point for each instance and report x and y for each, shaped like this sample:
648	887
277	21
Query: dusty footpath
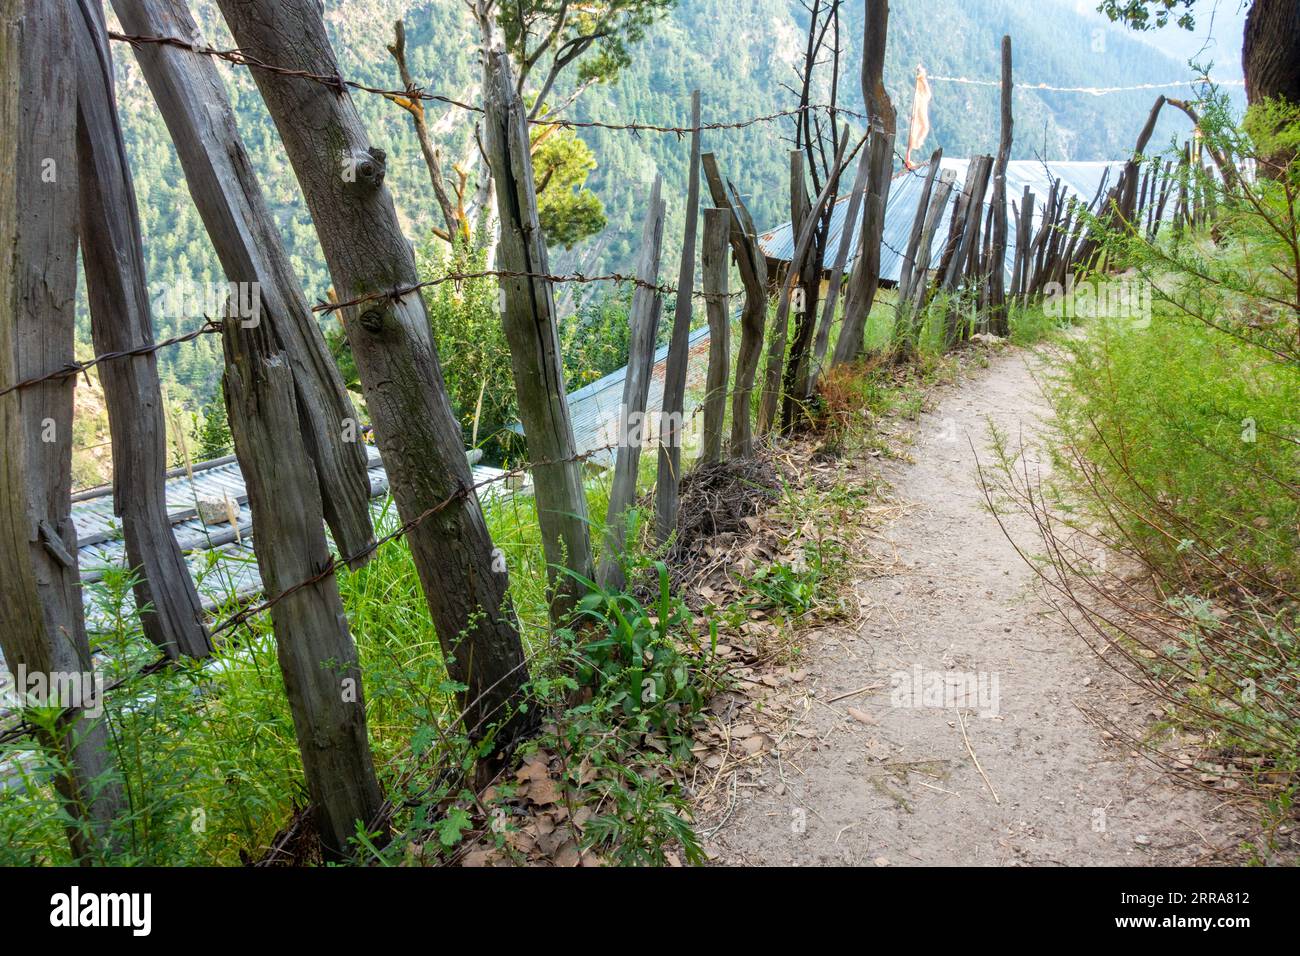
952	723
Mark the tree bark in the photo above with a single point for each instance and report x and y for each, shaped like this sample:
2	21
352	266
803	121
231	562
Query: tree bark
1270	59
192	98
531	329
647	305
113	258
1270	52
717	231
342	177
42	631
671	424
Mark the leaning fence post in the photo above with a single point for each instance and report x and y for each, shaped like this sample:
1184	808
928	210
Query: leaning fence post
464	579
113	257
999	320
904	334
674	402
322	677
528	316
192	98
850	238
42	631
717	229
647	303
753	276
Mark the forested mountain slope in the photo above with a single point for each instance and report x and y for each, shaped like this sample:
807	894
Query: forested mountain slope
738	52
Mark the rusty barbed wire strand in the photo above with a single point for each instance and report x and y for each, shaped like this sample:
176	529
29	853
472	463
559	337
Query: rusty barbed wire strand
339	84
74	369
211	327
324	308
25	728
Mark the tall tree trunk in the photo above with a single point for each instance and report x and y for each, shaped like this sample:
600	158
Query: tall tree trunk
191	96
42	631
112	254
342	177
531	329
1270	51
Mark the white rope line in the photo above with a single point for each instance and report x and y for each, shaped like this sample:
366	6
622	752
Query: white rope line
1090	90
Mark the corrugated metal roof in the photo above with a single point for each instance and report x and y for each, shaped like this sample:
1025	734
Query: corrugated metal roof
1079	178
594	408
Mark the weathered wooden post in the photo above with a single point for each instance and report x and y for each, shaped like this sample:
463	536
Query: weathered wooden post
791	284
925	249
528	316
42	632
192	99
904	330
671	423
882	122
753	315
647	305
342	177
713	256
322	677
999	320
1128	189
795	290
112	255
971	215
1024	225
849	238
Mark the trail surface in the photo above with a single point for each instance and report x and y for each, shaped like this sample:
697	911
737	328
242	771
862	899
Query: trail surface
897	781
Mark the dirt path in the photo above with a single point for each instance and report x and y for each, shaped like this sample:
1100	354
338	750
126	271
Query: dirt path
896	783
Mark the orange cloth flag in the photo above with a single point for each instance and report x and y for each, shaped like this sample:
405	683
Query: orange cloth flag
919	127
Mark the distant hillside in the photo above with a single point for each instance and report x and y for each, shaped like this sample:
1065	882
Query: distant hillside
736	51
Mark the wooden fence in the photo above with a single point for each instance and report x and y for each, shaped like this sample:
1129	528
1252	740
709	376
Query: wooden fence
295	430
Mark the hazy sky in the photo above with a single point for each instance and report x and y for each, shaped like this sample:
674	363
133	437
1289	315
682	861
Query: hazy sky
1216	39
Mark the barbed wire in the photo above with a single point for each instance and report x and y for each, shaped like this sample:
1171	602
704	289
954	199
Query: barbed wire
414	92
462	493
211	327
324	308
73	369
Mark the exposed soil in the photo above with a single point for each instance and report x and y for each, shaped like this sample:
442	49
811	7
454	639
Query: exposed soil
893	783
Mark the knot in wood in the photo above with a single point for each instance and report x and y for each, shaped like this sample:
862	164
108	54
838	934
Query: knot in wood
369	169
372	320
